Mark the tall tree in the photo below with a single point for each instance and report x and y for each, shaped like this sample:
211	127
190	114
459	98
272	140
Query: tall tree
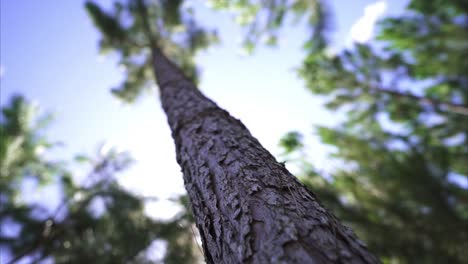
247	206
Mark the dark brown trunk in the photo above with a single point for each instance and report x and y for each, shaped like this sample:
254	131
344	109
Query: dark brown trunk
247	206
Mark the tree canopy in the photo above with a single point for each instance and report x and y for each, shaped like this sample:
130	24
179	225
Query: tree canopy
131	28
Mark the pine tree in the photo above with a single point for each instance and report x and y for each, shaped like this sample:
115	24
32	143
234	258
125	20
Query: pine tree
247	206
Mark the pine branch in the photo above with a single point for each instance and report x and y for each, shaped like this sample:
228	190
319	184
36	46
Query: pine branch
446	106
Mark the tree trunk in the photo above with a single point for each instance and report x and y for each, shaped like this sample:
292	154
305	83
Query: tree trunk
247	206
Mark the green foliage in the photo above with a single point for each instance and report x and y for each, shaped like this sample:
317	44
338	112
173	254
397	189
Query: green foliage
403	148
401	202
131	29
262	21
291	142
114	32
21	145
97	220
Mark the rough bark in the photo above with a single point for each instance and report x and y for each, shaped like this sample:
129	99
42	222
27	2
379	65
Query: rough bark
247	206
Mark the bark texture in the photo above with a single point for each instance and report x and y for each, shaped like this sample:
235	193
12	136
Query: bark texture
248	207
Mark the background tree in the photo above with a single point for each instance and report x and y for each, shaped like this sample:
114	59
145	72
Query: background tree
247	206
96	221
402	147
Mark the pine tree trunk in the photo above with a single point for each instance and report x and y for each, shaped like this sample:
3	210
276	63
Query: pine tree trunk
247	206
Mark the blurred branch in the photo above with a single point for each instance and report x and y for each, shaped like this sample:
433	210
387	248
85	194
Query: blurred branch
446	106
43	236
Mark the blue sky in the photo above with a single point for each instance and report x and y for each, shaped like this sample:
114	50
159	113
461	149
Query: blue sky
49	54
